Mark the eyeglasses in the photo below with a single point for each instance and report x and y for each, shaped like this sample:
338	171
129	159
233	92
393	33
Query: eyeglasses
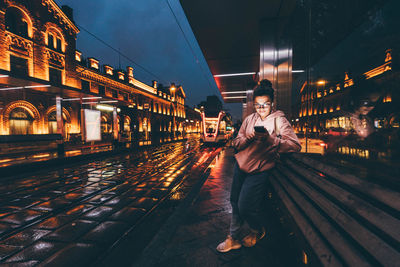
264	105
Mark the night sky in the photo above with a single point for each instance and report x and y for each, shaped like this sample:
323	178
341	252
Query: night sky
147	32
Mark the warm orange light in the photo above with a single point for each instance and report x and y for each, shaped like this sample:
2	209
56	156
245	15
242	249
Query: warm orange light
387	98
121	75
305	258
78	56
321	82
94	63
348	83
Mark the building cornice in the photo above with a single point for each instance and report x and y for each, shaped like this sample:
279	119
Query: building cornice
60	16
93	75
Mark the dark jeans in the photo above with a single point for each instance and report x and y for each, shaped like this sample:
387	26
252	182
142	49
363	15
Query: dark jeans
248	193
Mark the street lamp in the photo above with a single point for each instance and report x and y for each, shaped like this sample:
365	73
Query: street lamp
172	89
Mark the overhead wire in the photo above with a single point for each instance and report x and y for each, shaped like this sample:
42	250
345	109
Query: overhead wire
121	54
190	46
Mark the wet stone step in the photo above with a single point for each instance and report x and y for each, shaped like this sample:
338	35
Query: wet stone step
71	231
7	227
106	233
99	213
38	251
4	211
25	237
29	263
128	214
22	217
7	250
76	254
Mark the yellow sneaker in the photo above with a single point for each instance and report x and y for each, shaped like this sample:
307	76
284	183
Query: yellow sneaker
229	244
251	239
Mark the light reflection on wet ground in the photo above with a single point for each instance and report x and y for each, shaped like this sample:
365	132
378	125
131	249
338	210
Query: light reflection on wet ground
59	216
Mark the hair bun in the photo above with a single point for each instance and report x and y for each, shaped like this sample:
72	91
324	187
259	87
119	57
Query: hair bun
265	83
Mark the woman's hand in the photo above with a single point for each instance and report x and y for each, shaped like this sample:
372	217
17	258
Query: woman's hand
261	136
251	137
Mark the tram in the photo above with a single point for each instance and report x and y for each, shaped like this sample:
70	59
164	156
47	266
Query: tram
216	129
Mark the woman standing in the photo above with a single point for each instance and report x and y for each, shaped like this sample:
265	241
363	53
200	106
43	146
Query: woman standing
262	136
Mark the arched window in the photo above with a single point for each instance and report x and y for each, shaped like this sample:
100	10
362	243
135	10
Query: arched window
105	125
127	124
55	39
52	118
21	122
16	22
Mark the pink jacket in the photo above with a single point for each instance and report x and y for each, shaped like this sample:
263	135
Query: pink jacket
257	155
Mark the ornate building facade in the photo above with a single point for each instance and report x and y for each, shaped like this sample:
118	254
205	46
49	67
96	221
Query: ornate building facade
363	106
46	83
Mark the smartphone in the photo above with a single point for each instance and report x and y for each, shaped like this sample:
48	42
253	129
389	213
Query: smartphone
259	129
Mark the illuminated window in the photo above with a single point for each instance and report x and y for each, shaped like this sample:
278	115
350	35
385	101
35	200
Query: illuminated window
52	122
78	56
387	98
105	125
21	122
108	70
93	63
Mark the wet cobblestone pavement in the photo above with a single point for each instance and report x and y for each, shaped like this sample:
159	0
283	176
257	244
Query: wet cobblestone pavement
74	215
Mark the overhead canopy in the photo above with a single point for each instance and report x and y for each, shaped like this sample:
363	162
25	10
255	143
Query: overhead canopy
227	32
229	36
